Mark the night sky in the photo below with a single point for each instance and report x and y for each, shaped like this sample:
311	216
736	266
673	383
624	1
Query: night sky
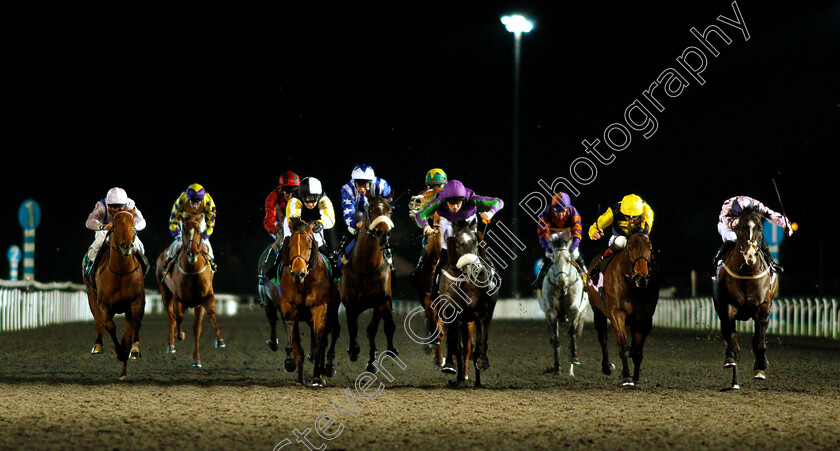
153	101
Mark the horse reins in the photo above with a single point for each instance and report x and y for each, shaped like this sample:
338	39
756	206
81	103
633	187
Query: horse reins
206	260
117	248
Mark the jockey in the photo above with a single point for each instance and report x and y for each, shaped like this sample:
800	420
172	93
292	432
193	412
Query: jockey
194	203
363	181
275	214
312	205
452	203
728	219
560	214
631	212
435	180
101	220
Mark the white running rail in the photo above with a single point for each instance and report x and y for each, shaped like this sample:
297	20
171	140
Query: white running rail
812	317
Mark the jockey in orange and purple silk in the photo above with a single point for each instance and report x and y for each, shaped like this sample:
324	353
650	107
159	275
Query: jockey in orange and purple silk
728	219
561	219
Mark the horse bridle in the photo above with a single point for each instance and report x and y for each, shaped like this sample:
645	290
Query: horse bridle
633	273
313	252
193	256
114	244
369	220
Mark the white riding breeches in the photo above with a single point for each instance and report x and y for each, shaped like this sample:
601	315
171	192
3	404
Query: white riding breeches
319	237
726	233
99	238
446	229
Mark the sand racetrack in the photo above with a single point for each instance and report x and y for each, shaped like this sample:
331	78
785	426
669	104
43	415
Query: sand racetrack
54	394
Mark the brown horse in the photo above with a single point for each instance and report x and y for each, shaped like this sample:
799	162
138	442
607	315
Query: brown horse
307	294
188	285
264	292
366	279
118	288
468	290
627	299
744	289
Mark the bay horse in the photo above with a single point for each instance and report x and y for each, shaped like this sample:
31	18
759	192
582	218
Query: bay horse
366	279
306	294
118	287
188	285
264	292
743	289
564	301
627	298
468	290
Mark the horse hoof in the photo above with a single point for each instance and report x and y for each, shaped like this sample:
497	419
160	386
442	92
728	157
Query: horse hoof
316	383
552	370
608	369
448	370
124	377
394	351
97	349
428	349
575	361
729	363
197	364
170	349
329	370
273	345
482	363
760	375
457	384
735	387
220	343
310	358
572	370
135	355
289	366
627	383
370	367
353	353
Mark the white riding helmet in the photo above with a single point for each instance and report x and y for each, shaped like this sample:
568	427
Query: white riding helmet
116	196
311	190
363	172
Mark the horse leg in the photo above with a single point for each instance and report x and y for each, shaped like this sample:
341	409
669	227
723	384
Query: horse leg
298	349
476	354
620	333
762	321
179	320
353	348
271	315
453	349
640	331
389	327
210	306
554	339
733	352
319	334
97	322
371	334
199	317
111	327
289	364
468	349
335	330
601	327
134	317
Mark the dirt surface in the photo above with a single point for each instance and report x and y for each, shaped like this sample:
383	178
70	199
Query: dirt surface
54	394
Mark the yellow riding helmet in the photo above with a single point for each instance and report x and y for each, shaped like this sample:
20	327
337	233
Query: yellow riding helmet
632	205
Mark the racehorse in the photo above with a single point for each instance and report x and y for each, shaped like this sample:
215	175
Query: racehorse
422	281
628	298
564	301
118	288
468	290
264	292
189	285
366	279
306	293
744	289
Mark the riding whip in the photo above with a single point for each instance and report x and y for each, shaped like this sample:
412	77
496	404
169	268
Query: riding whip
779	197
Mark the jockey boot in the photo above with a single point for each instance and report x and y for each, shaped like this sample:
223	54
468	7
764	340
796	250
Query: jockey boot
765	249
339	251
546	265
721	254
267	266
421	263
88	267
599	267
331	259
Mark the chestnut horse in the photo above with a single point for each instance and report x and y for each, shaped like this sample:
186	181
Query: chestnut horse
468	290
306	293
118	288
366	279
188	285
628	299
744	289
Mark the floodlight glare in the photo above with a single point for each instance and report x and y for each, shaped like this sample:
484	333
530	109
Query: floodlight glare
517	24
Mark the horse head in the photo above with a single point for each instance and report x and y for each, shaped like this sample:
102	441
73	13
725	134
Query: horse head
378	218
562	260
466	254
302	249
748	229
122	233
639	251
191	241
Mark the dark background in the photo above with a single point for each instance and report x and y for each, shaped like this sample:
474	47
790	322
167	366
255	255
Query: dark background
154	100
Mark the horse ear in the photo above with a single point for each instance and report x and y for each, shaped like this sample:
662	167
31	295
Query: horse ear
390	197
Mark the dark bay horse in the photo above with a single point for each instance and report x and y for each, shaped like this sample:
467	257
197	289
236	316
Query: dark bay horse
366	279
264	292
628	300
468	291
189	285
743	289
307	294
118	288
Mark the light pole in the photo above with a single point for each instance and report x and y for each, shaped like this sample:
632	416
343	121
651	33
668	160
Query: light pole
516	24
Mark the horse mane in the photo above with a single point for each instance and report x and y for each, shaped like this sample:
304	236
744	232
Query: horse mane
297	225
750	212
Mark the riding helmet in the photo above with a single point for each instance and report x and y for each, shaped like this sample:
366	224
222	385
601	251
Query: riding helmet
363	174
435	177
310	190
632	205
116	196
289	179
